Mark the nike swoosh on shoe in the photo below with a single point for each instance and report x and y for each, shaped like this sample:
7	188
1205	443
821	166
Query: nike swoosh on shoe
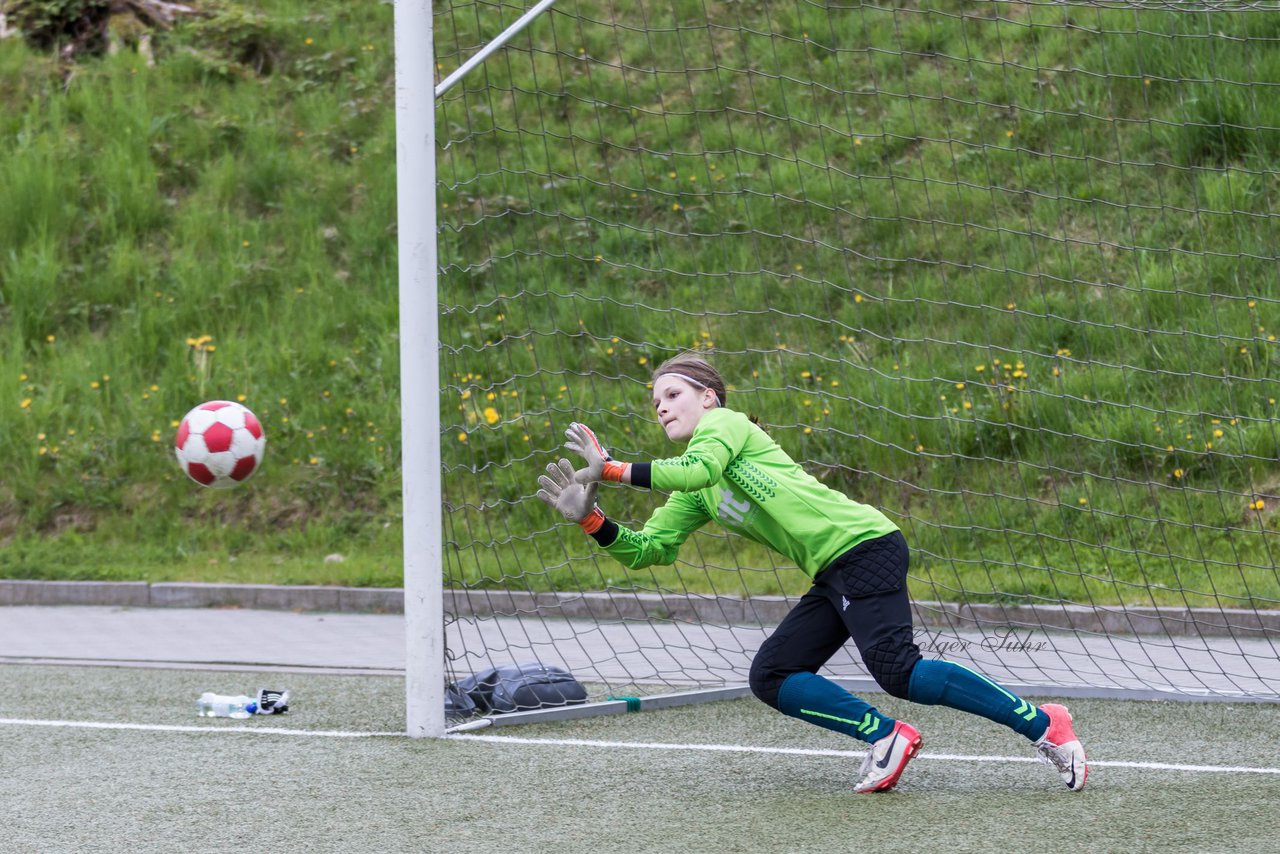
888	754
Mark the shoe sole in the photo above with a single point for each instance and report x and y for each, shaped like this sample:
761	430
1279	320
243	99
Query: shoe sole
913	747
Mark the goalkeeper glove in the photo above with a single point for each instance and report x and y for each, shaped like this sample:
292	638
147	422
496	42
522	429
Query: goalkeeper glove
574	501
600	466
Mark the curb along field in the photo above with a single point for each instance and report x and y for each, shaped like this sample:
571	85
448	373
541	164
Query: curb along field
618	606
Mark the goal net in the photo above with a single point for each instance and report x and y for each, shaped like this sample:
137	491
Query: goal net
1007	271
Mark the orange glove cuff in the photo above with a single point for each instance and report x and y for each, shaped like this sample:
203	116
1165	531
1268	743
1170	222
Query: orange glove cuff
592	522
613	472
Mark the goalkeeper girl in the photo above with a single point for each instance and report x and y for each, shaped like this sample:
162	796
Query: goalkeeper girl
733	473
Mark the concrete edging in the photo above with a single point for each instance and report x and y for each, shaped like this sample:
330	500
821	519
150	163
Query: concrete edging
718	610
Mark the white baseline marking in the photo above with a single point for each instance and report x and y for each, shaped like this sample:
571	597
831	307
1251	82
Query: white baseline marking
844	754
211	728
215	729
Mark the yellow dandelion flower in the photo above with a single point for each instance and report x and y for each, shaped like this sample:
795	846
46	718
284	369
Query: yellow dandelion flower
1217	434
958	385
25	404
1178	473
462	437
857	297
979	368
491	415
1259	505
1082	501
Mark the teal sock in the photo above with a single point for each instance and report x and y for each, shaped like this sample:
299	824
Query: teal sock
820	701
944	683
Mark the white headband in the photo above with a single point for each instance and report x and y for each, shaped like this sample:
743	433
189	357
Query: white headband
692	381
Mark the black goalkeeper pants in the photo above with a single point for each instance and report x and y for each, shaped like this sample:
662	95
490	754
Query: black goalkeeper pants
861	595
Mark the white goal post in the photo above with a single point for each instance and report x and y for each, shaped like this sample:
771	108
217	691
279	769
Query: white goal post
420	368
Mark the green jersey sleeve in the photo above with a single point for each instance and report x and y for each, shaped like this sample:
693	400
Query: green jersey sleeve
720	438
660	539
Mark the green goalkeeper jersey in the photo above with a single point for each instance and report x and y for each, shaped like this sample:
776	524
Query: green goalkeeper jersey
734	473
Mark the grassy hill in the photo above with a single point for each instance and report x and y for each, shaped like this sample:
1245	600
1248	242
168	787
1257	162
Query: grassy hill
1005	270
200	230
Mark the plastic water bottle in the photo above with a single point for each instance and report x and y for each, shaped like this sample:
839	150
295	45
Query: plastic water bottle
212	705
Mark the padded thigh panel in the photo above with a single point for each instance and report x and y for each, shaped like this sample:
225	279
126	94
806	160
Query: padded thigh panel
871	568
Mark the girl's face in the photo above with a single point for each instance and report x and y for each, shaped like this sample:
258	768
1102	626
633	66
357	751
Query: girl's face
680	406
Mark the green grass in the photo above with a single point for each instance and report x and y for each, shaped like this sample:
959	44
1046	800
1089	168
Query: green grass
397	794
1003	271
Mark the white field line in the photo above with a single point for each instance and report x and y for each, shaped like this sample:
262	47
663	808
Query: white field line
214	729
203	730
846	754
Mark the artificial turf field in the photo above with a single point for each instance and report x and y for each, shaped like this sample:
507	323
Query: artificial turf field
145	782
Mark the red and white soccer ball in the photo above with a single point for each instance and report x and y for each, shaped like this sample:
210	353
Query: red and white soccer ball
220	444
